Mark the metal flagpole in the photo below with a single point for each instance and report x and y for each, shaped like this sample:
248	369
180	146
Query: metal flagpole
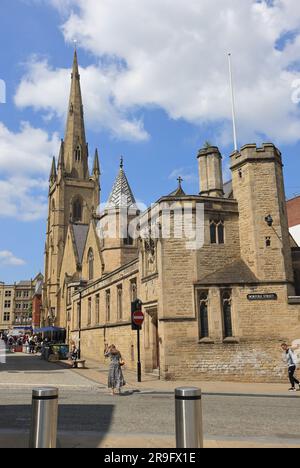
233	105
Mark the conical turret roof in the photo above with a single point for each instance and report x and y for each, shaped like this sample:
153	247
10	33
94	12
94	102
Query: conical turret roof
121	195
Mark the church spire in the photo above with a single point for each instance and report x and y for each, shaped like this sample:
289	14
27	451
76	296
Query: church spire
75	147
53	173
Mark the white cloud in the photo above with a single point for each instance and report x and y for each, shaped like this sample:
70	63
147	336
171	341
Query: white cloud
25	162
175	56
28	151
8	258
46	89
186	173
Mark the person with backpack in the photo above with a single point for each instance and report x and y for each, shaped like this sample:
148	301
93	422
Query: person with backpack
291	360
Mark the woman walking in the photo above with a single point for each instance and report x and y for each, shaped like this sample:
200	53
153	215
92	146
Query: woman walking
115	375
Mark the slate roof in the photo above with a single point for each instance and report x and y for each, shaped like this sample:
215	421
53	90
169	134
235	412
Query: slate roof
24	283
179	192
121	195
80	235
228	190
235	273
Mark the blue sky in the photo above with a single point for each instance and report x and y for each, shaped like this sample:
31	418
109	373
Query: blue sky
155	88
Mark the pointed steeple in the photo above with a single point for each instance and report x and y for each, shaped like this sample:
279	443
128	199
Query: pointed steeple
121	195
75	147
61	159
96	168
53	173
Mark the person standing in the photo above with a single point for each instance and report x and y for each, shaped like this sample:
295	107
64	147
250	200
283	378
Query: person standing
31	345
115	375
74	355
290	358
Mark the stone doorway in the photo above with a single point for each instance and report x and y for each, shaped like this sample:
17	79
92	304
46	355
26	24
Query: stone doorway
152	350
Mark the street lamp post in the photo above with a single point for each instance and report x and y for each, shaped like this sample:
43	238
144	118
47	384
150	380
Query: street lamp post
81	285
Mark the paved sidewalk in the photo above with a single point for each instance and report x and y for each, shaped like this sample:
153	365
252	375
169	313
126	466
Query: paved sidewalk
25	370
98	373
83	391
79	440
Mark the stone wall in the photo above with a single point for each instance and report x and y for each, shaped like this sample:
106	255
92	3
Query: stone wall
253	354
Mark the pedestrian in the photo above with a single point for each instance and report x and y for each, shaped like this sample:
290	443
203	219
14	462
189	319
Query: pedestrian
10	343
74	355
290	358
115	375
31	345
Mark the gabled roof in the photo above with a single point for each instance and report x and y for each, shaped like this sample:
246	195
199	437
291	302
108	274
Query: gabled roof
179	192
235	273
80	235
121	195
38	288
24	283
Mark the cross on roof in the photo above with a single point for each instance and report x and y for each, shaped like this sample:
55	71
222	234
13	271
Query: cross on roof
180	180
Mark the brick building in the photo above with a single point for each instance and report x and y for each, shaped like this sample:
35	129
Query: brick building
218	285
293	210
16	303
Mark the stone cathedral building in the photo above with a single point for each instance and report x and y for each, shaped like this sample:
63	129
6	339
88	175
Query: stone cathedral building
217	310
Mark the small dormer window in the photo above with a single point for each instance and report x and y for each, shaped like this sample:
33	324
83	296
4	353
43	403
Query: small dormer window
78	153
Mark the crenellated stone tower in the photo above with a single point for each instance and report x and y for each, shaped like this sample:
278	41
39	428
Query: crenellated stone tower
74	194
258	186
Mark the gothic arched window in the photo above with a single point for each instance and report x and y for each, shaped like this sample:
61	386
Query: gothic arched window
217	232
213	233
78	153
91	264
227	317
203	316
77	210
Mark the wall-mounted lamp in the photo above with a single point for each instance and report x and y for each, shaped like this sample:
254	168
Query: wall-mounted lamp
269	220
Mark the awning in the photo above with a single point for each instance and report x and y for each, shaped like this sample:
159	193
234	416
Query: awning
49	330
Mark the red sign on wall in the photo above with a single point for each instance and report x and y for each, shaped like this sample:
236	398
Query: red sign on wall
138	318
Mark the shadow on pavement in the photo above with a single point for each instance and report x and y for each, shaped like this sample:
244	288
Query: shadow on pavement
73	419
16	363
